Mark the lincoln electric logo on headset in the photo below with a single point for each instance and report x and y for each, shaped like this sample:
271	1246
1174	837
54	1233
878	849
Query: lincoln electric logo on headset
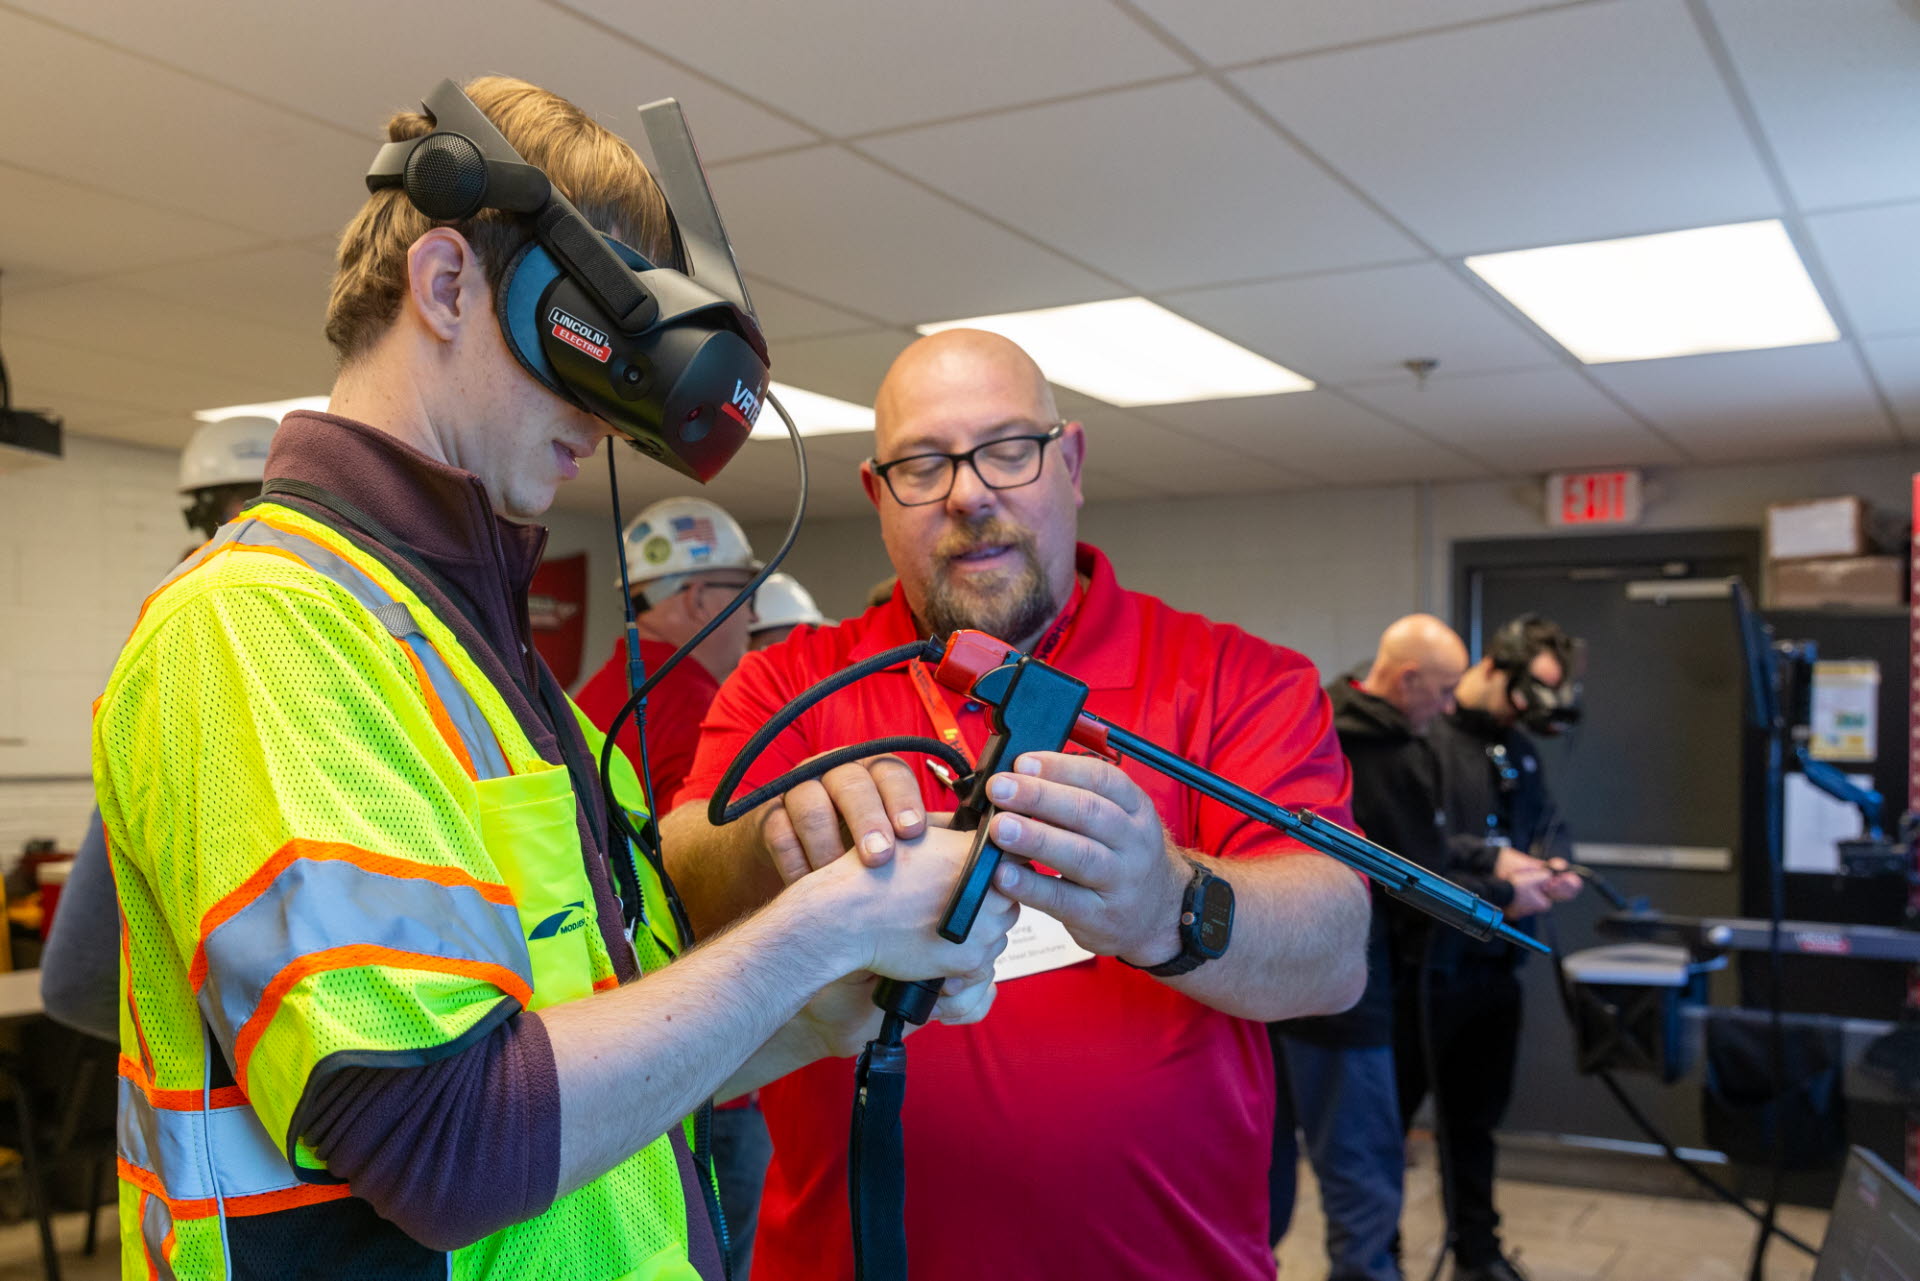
579	334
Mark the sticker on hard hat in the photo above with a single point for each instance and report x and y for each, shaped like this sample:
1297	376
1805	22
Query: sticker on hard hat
656	550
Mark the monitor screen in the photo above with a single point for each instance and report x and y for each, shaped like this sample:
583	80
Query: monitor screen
1874	1234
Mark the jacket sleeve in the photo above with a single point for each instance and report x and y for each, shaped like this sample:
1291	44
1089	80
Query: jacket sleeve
272	777
80	967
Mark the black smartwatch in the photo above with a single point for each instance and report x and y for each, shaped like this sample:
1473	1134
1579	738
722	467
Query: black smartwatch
1206	924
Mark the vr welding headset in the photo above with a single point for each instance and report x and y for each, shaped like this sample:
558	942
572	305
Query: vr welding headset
673	360
1544	709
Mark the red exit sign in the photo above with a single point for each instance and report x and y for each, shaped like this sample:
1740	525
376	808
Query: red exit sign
1593	497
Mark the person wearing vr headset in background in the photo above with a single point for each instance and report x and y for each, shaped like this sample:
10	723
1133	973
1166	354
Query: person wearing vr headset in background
1504	832
1113	1118
382	1004
1336	1077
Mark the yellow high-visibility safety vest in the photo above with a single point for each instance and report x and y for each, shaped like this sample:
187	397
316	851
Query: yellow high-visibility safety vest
335	846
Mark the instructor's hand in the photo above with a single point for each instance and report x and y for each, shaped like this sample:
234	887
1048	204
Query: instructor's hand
1120	881
865	806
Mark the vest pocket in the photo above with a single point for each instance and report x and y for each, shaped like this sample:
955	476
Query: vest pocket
527	822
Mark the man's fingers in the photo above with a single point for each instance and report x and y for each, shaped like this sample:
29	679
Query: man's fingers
783	847
1050	894
900	793
856	796
1062	805
968	1005
1078	858
815	824
1089	773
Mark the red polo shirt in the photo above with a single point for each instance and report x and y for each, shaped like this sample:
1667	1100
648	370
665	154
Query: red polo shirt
1097	1123
675	708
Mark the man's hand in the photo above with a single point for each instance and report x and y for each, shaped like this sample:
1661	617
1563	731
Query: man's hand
893	910
867	805
843	1018
1120	881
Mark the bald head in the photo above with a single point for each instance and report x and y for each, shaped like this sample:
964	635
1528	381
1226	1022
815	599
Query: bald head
952	367
1419	662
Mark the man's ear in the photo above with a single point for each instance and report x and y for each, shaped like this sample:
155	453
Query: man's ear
1073	452
443	278
871	483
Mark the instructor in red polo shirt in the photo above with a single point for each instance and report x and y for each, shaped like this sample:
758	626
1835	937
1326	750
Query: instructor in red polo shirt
1107	1120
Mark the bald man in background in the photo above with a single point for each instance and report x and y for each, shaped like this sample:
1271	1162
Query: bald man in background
1336	1074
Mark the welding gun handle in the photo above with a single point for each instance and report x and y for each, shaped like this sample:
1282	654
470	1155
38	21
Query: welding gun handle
971	892
911	1001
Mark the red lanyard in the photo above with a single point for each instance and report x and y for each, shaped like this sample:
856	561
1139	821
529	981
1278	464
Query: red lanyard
945	723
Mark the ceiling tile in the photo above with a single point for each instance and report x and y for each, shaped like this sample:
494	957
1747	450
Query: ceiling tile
849	366
1533	420
1832	83
46	370
319	60
166	138
1755	404
1353	326
69	231
1320	436
1896	363
848	66
170	332
832	225
1869	254
284	286
1162	462
785	314
1225	34
1266	209
1575	124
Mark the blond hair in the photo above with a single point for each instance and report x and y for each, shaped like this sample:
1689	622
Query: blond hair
592	166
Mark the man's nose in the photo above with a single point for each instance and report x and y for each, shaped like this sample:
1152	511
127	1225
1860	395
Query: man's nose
970	496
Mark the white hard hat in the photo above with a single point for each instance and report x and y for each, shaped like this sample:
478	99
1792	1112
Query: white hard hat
679	536
783	602
232	451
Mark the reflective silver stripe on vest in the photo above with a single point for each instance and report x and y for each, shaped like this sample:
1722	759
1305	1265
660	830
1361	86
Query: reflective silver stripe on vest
468	721
178	1145
154	1226
314	905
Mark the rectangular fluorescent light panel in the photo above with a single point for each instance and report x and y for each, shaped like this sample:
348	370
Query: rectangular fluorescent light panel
274	409
813	414
1681	293
816	415
1133	352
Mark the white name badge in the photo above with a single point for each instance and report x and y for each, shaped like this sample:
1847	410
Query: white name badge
1037	943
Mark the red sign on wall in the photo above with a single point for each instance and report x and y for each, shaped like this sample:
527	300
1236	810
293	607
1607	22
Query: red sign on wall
557	609
1593	497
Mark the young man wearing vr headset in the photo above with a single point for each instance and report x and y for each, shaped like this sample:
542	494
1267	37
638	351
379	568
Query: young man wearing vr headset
1503	831
383	1014
1113	1119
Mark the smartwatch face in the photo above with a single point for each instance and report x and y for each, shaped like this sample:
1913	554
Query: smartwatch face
1216	918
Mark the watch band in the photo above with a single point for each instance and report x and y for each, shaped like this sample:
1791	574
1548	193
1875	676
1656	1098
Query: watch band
1189	958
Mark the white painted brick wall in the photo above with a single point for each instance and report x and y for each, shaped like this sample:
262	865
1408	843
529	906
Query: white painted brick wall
82	542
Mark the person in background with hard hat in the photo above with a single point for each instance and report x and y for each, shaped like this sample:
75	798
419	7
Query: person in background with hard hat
781	605
686	558
222	467
221	470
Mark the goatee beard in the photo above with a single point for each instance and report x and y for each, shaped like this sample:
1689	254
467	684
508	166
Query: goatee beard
1012	605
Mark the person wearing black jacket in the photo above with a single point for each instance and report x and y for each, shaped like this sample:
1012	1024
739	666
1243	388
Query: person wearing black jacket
1335	1073
1503	827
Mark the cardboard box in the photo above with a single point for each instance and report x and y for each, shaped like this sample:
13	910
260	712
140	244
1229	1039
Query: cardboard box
1837	580
1820	527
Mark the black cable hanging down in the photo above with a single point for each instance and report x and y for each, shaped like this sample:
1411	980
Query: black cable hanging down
647	842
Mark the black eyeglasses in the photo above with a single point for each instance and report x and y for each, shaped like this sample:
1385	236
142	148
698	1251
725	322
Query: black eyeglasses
1006	463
